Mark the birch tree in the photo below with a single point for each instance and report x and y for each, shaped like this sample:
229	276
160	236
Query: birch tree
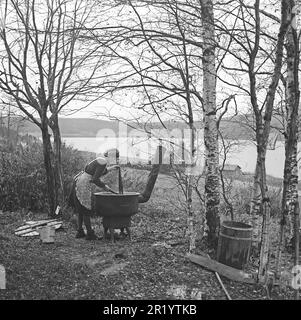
256	73
290	220
176	62
175	69
212	183
253	56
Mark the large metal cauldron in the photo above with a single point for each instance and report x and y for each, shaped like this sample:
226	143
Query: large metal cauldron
117	209
116	205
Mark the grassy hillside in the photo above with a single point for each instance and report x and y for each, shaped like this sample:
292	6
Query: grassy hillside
80	127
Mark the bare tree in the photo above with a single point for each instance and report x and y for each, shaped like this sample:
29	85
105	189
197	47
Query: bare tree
254	60
169	50
212	183
46	64
290	209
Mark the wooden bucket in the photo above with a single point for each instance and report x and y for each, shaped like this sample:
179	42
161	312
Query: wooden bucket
47	234
234	244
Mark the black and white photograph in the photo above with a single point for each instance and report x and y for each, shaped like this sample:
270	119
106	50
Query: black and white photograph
149	154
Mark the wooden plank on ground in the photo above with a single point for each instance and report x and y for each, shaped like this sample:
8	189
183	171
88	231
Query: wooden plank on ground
31	227
33	224
222	269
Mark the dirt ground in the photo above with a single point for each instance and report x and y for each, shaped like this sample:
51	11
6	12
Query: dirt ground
150	266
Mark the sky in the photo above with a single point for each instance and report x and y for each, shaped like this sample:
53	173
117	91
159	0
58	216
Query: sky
103	107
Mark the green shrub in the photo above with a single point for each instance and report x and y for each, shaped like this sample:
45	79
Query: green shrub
240	197
23	177
22	182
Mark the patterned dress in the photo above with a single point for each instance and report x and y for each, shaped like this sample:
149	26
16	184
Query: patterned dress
85	181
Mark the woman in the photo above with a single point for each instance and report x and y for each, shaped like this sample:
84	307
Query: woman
82	192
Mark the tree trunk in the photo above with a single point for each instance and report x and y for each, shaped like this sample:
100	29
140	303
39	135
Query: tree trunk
290	214
284	212
289	200
191	180
50	175
265	241
212	194
297	240
256	203
263	122
57	144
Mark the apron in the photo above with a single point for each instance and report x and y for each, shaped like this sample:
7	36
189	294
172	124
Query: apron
84	189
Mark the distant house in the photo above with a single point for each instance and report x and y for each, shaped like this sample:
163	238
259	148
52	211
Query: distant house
232	170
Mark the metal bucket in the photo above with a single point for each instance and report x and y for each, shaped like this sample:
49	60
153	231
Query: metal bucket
47	234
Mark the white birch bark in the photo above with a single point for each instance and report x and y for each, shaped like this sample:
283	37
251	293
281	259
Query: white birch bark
263	122
212	194
289	222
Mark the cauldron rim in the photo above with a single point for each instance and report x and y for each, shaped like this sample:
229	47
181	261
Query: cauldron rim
116	194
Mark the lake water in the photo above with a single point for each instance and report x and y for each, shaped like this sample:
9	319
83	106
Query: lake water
243	154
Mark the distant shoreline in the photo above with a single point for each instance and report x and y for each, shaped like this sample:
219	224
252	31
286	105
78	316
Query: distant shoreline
76	135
